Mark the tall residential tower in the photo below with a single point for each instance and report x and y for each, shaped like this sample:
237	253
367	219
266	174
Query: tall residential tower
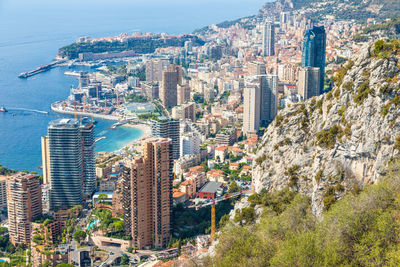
168	128
251	112
268	39
147	195
171	77
24	202
309	82
72	162
314	51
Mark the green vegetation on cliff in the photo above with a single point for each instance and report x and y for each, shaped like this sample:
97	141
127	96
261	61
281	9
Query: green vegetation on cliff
362	229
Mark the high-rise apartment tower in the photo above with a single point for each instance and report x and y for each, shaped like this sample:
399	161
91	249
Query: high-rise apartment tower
314	51
268	39
147	195
24	202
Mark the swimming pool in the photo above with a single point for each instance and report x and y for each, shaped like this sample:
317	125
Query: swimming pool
92	223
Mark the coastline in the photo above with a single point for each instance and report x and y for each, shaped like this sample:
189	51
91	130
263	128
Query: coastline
144	128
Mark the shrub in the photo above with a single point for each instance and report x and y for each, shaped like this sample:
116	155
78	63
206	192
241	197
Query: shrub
287	141
383	49
362	92
341	111
385	110
328	138
278	120
248	215
337	93
313	101
329	95
348	86
347	131
338	78
328	108
385	90
304	124
397	143
293	176
328	201
319	105
339	187
261	159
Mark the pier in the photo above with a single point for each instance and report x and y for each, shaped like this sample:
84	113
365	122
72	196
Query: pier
72	73
40	69
115	125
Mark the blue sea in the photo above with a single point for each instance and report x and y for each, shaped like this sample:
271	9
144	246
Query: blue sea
31	33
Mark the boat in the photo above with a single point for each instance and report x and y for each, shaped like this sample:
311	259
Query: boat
23	75
3	109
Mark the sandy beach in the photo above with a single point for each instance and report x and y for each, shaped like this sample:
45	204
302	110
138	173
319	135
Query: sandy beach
143	127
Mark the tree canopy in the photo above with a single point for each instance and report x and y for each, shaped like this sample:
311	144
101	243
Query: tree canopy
79	235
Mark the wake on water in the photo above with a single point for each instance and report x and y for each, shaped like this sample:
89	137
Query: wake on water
32	110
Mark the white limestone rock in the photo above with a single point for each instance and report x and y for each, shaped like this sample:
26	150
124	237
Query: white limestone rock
358	156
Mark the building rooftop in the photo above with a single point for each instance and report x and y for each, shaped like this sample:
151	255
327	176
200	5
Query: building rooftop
187	182
211	187
178	194
64	123
109	194
222	148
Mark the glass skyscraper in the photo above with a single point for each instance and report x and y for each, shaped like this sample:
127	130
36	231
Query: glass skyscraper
72	162
268	41
314	51
168	128
89	158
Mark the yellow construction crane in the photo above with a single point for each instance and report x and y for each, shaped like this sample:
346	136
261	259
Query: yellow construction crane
213	217
212	236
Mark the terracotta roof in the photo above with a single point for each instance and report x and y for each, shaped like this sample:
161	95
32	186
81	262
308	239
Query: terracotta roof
187	182
221	148
215	171
178	194
235	148
197	169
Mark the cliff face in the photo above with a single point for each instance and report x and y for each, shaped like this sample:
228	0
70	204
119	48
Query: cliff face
341	140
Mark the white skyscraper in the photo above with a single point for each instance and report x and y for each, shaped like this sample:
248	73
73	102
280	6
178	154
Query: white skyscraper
251	113
309	82
190	144
269	97
268	39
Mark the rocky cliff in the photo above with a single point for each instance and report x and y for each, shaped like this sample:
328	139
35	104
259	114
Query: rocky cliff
339	141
